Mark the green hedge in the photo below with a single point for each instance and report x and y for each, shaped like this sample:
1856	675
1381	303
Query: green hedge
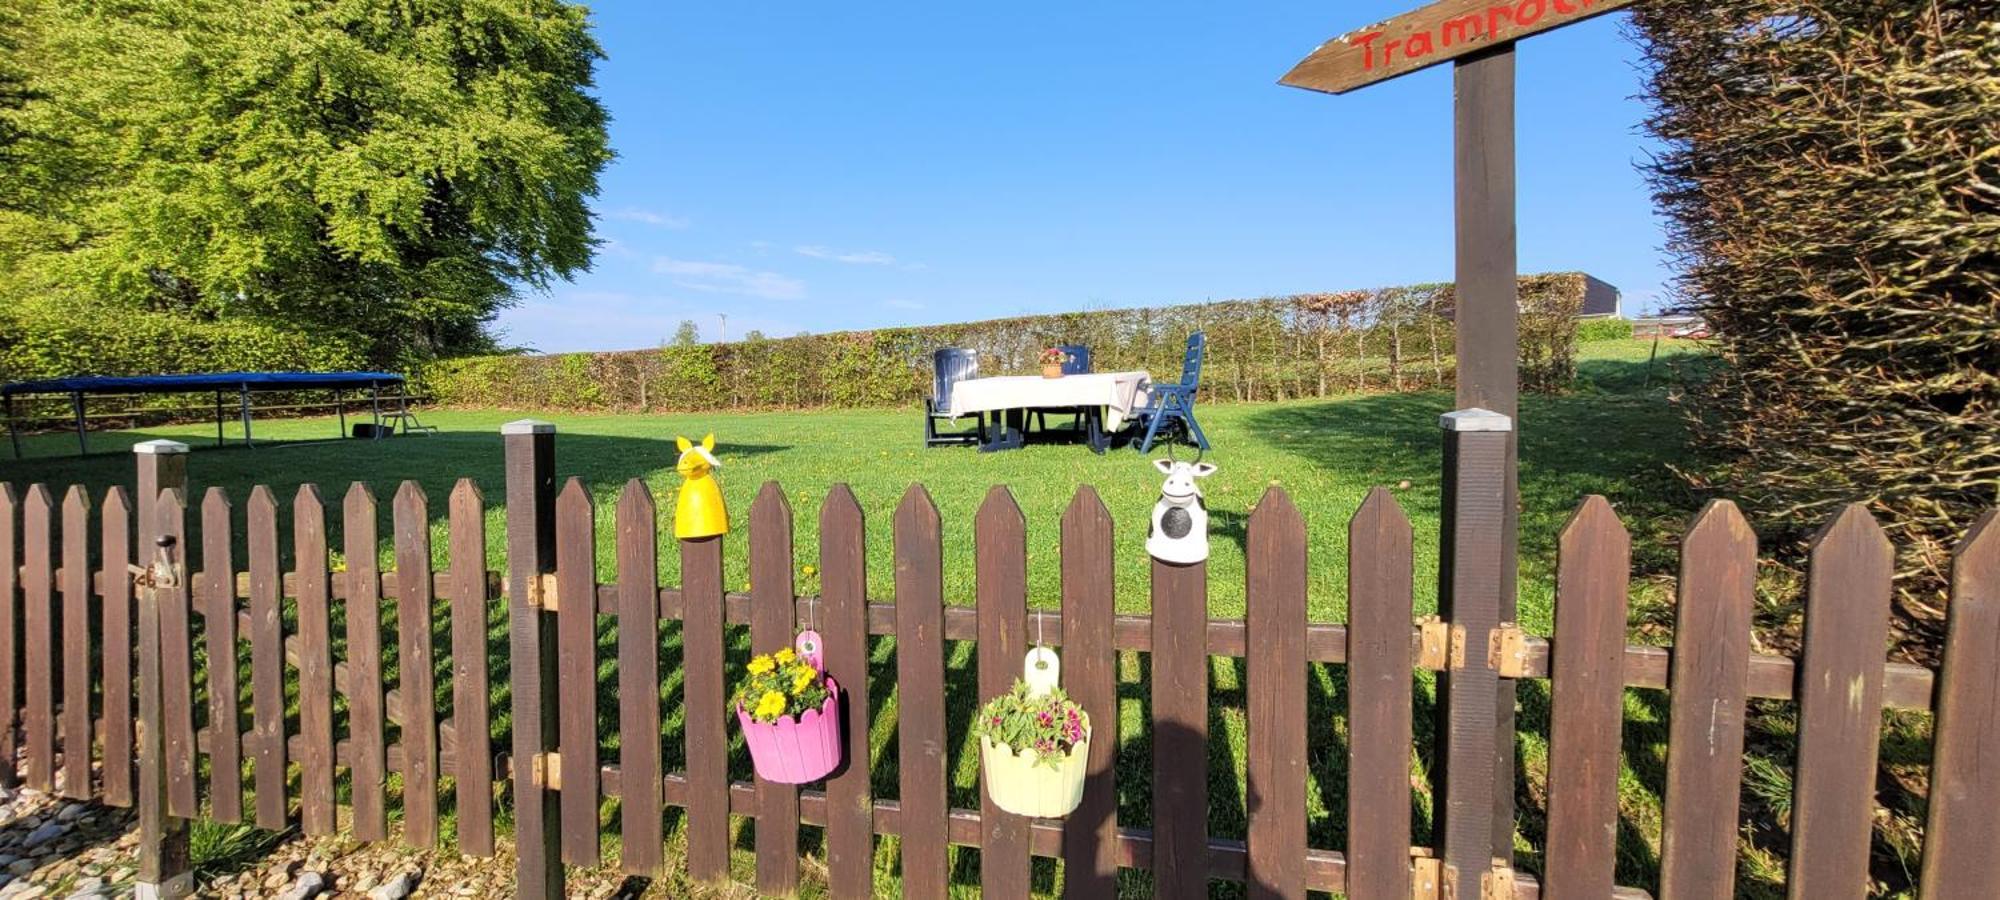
48	340
1311	345
1604	330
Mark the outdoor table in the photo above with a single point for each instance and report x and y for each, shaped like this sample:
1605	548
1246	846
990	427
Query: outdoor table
1107	399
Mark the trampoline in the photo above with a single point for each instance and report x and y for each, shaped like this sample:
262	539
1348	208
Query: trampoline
242	384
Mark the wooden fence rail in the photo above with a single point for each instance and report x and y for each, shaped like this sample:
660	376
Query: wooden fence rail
72	646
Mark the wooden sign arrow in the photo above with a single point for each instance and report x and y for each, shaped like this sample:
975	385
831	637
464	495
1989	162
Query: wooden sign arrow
1433	34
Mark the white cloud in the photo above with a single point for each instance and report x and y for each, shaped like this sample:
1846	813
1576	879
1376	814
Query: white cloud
858	258
649	217
902	304
727	278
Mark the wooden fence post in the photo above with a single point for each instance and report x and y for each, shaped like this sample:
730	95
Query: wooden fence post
164	872
1472	578
530	448
1179	669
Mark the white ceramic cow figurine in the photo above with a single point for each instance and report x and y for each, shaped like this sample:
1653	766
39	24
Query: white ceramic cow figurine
1180	522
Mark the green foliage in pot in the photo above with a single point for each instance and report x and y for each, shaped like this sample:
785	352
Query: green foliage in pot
1050	724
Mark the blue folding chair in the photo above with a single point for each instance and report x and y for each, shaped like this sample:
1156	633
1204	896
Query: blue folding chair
1172	405
950	365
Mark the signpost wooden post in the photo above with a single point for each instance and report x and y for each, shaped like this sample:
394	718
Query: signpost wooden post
1477	37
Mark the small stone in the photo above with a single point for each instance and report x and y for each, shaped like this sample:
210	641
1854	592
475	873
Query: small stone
43	835
71	812
397	888
308	886
21	868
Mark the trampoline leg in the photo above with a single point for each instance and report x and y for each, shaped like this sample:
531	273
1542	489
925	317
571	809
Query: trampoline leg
218	418
82	439
375	401
340	407
243	400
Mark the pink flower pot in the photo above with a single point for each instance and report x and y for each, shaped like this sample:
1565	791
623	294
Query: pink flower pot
796	750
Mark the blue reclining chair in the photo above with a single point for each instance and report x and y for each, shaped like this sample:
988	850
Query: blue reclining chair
1173	404
950	365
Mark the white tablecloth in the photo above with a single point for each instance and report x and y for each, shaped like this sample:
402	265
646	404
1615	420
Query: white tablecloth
1119	393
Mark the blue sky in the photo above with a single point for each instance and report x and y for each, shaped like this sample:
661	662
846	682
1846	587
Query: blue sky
814	166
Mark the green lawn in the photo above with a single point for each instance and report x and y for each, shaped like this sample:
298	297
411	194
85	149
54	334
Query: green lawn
1614	435
1609	437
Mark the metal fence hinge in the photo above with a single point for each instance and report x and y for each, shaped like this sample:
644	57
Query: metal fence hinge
1497	883
1507	651
1425	874
542	593
1434	643
545	769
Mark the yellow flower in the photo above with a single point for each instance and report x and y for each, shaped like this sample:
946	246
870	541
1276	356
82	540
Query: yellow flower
760	665
784	656
771	706
809	571
803	678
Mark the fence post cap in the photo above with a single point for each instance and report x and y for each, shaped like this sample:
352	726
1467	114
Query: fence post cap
160	447
1475	419
528	426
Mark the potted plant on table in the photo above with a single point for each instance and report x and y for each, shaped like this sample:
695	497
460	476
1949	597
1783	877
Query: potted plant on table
1052	362
1034	744
790	712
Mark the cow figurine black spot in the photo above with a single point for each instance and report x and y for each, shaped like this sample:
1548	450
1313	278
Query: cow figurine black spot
1180	521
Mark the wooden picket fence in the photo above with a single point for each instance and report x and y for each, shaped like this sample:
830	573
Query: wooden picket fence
67	586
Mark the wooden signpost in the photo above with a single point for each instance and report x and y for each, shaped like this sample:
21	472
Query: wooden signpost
1437	33
1477	37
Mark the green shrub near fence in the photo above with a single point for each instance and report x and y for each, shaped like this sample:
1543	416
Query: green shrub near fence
1308	345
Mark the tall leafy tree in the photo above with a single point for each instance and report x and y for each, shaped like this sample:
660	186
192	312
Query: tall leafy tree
392	172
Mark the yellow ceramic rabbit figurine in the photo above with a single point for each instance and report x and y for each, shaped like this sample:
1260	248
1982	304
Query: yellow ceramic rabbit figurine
699	513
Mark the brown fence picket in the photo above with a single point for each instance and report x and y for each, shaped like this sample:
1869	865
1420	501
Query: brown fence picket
1180	730
415	679
315	662
10	633
1964	822
1587	694
772	620
1840	707
177	666
267	659
368	754
1001	574
218	606
703	700
120	753
1275	624
76	724
1090	677
471	717
39	635
1379	688
639	798
1709	678
576	638
843	570
920	723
